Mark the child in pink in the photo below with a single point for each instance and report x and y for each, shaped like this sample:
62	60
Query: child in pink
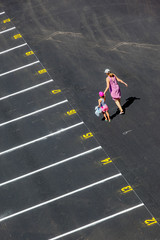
103	106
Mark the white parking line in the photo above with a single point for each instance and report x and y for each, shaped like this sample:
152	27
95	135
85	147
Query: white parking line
62	196
7	30
2	13
40	139
32	113
50	166
25	90
16	69
11	49
98	221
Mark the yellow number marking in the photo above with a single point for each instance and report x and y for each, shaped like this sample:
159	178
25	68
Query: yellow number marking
6	20
17	36
42	71
71	112
29	53
56	91
106	161
150	221
88	135
127	189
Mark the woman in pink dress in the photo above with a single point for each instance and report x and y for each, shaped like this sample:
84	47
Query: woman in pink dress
114	88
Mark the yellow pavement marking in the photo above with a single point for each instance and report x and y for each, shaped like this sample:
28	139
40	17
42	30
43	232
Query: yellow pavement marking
87	135
127	189
71	112
6	20
29	53
42	71
149	222
56	91
106	161
17	36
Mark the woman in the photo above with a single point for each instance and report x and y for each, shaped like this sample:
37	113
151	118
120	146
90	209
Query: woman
114	88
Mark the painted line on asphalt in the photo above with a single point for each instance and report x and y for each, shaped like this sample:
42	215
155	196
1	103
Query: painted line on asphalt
16	69
40	139
2	13
51	165
33	113
11	49
7	30
97	222
60	197
25	90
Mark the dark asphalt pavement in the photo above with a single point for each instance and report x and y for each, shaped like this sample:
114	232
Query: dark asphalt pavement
65	173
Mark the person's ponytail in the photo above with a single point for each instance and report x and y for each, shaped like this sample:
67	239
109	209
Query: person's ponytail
111	75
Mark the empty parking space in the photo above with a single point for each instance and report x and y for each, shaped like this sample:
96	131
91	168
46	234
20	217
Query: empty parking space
21	105
36	125
132	224
16	59
22	80
87	205
87	163
9	43
45	152
49	188
5	22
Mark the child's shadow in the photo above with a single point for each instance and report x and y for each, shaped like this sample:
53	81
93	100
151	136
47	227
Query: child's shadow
128	102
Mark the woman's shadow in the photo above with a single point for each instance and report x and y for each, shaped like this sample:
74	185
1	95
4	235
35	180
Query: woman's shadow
128	102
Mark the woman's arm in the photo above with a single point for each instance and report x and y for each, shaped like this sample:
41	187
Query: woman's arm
119	80
107	82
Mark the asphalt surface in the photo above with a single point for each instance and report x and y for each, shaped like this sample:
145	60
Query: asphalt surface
65	173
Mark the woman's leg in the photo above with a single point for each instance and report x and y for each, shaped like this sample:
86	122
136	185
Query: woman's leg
117	102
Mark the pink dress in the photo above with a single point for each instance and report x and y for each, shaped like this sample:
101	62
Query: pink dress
104	106
114	88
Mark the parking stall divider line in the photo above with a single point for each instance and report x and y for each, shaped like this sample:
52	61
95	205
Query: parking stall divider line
7	30
98	221
51	165
41	138
33	113
26	89
11	49
62	196
2	13
16	69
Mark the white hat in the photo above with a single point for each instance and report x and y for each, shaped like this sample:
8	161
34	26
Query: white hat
107	70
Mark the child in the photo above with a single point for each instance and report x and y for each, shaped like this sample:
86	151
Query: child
103	106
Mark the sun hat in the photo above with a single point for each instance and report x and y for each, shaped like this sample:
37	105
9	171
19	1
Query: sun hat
101	94
107	70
